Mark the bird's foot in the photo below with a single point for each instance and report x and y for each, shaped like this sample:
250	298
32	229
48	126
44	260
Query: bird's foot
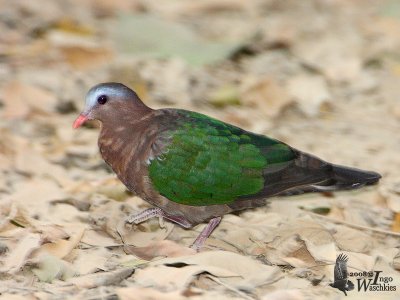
145	215
156	212
205	233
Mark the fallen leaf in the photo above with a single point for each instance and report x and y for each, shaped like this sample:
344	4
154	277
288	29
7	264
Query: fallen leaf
83	58
163	248
61	248
265	94
91	260
20	99
101	278
171	278
247	272
162	76
50	233
8	212
396	223
285	294
358	262
7	296
390	191
98	238
138	293
17	258
336	55
145	233
49	268
349	239
396	262
300	243
310	93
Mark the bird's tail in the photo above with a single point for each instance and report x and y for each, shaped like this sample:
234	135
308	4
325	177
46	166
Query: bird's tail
327	177
349	178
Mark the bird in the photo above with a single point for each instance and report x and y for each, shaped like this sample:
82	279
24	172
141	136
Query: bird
193	168
340	275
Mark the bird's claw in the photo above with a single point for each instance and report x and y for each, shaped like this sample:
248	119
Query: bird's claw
144	215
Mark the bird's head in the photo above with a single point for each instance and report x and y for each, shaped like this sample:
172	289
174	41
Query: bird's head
109	100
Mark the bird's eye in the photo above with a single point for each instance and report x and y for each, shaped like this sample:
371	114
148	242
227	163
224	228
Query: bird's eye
102	99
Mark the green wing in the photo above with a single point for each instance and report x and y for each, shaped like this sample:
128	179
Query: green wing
210	162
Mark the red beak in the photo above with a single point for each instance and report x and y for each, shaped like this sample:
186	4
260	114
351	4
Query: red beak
79	121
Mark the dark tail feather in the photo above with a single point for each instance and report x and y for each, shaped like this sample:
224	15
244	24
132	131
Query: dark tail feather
346	177
307	173
330	177
343	178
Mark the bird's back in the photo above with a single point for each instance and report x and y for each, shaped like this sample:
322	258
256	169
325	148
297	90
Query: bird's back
209	162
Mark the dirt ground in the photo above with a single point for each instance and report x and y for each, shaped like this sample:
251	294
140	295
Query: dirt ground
320	75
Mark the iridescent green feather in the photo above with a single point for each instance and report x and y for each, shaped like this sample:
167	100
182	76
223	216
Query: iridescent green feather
210	162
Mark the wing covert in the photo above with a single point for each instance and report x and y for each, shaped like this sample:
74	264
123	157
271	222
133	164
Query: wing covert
208	162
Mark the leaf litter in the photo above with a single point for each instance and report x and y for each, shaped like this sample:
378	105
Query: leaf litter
307	74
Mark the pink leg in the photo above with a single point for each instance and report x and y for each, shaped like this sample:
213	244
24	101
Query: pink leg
200	240
156	212
144	215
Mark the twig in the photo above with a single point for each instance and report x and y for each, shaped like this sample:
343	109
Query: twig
361	227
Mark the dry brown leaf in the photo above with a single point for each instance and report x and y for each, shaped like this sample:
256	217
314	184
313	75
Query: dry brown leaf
384	258
144	234
241	231
36	201
108	217
49	268
387	29
7	296
336	55
265	94
310	93
396	223
163	76
8	211
31	160
163	248
176	278
101	278
20	98
83	58
301	243
61	248
15	105
17	258
390	191
396	262
89	261
98	238
112	188
50	233
349	239
287	294
359	261
141	293
248	272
